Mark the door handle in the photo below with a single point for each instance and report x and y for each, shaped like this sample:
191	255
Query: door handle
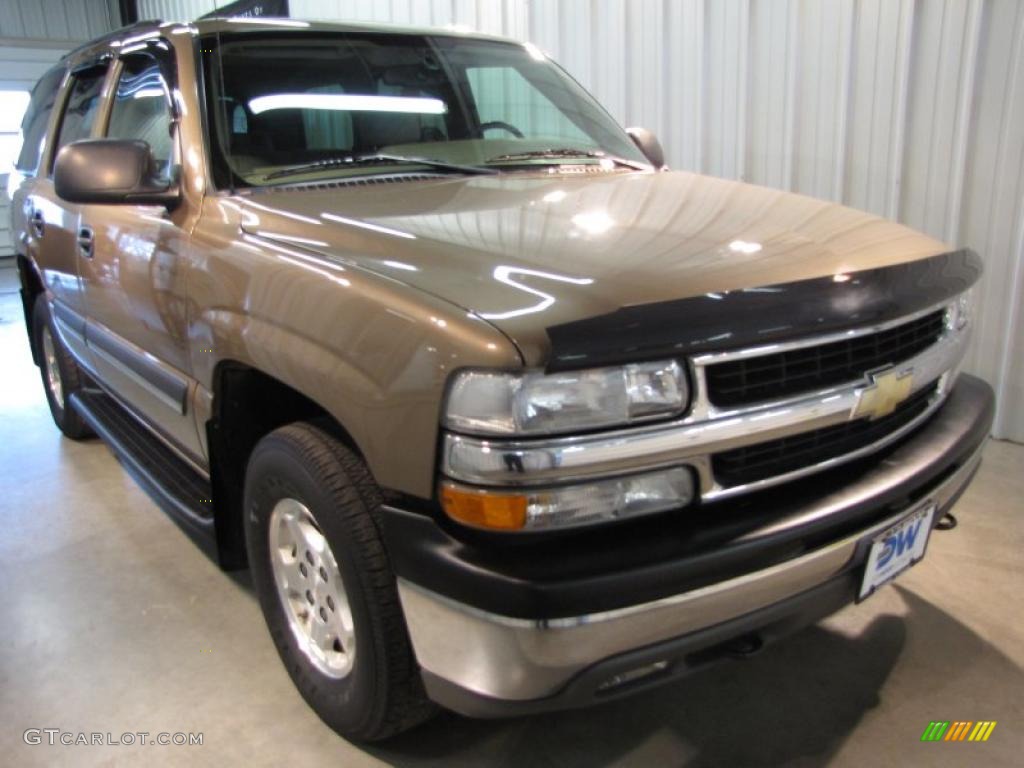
85	242
37	222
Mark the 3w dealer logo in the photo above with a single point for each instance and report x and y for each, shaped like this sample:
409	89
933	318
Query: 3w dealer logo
958	730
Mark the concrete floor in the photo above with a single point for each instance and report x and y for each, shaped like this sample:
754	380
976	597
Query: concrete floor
113	621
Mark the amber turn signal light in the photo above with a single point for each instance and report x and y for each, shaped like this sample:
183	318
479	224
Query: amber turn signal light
481	509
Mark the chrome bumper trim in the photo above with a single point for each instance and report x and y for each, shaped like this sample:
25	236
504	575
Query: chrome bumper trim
519	659
694	439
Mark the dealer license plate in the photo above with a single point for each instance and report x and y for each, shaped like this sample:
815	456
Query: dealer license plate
897	548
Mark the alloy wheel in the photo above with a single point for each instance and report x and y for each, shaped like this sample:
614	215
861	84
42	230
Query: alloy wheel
311	590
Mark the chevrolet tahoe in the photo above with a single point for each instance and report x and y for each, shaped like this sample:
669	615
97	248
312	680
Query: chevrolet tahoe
501	414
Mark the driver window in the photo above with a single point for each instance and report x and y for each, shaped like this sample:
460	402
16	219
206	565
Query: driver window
141	110
503	95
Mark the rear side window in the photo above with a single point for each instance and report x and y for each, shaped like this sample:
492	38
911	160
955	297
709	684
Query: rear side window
141	110
37	117
82	107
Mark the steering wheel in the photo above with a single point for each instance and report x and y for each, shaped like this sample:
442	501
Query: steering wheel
503	126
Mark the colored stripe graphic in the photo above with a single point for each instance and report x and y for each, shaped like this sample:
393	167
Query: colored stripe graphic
982	730
958	730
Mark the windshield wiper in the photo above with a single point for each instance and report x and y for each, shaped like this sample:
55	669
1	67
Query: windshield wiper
567	153
354	161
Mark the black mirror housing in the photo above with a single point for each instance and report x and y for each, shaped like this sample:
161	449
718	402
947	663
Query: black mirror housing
648	143
111	171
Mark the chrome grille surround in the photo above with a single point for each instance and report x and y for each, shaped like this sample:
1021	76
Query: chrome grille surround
707	429
793	372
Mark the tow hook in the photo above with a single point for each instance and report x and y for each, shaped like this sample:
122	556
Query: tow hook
743	647
946	523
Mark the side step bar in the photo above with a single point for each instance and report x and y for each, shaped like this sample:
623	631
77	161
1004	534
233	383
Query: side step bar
179	490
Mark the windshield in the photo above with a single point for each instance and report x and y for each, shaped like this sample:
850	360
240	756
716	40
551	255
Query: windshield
295	108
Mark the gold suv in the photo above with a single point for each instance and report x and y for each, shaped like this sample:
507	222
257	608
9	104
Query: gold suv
501	414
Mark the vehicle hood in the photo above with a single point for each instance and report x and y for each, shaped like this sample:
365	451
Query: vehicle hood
529	252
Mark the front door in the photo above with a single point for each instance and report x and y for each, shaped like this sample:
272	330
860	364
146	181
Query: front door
53	224
132	273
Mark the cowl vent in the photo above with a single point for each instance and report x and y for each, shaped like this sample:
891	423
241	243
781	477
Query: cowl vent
362	181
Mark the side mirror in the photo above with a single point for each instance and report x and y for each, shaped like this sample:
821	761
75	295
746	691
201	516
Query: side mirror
648	143
111	171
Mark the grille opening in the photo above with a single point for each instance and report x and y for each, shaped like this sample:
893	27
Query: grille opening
777	457
798	371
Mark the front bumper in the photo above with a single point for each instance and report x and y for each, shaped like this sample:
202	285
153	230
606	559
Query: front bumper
493	639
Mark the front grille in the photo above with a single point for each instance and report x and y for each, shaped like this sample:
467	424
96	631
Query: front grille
806	369
777	457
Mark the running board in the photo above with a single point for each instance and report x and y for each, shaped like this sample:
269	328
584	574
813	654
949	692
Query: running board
178	488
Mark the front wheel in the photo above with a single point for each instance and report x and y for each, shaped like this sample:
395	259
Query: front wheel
61	375
325	584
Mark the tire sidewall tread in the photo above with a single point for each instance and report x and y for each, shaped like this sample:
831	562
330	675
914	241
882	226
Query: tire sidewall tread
383	694
64	415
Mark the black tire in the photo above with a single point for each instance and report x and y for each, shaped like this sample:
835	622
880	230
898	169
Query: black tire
65	417
383	693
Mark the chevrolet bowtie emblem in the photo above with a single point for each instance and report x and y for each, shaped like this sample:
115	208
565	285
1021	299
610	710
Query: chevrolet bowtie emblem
888	389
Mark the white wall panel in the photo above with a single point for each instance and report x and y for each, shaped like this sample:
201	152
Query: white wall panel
23	61
912	109
877	102
726	79
940	80
56	19
175	10
771	104
992	213
505	17
685	85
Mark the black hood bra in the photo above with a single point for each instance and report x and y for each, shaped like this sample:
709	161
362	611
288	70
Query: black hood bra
717	322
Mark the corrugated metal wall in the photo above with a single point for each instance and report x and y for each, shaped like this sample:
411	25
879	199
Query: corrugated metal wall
21	65
56	19
913	109
34	34
175	10
505	17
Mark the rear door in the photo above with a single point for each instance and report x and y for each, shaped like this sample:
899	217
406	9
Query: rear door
132	270
23	182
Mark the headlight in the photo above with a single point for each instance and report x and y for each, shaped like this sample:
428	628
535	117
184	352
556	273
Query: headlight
531	403
960	311
616	499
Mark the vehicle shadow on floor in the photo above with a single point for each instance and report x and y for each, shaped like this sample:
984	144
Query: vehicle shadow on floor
796	703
